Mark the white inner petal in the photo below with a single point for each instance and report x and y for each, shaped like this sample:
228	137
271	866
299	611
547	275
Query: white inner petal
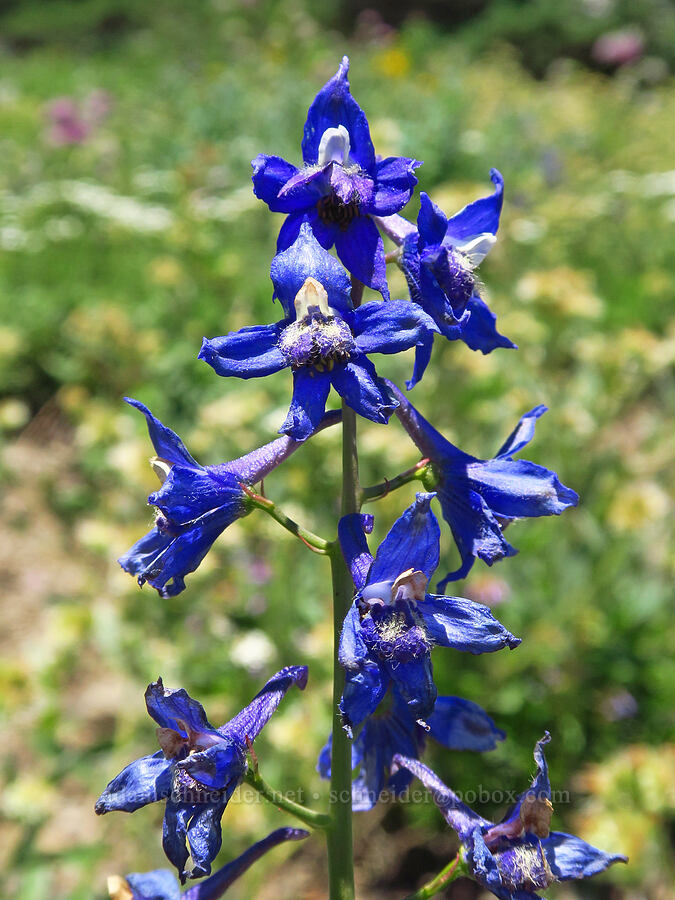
334	146
311	295
477	248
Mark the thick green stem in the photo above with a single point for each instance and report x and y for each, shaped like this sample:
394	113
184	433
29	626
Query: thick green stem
378	491
340	848
308	816
454	869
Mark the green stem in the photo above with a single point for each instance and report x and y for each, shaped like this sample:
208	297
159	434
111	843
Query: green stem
454	869
378	491
340	848
311	540
308	816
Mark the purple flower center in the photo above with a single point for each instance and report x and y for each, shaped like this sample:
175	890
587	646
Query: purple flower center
318	338
332	211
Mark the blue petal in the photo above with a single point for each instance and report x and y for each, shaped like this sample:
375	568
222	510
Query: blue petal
252	719
431	222
182	554
220	881
522	434
390	327
479	217
270	174
463	625
219	767
174	834
352	187
334	106
485	867
457	814
310	392
361	251
352	530
143	781
460	724
358	384
139	558
474	527
306	258
204	836
516	488
415	682
166	442
479	331
395	181
175	709
188	494
428	441
158	885
570	857
422	359
540	783
365	687
412	543
248	353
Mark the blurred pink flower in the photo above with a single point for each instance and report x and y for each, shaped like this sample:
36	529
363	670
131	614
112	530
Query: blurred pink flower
72	122
618	48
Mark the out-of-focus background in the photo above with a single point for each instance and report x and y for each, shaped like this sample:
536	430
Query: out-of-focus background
128	230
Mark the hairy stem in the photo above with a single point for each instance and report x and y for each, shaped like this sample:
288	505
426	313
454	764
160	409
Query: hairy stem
455	869
308	816
378	491
340	849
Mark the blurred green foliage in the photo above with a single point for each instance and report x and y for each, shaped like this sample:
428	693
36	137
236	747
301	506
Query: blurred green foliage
120	252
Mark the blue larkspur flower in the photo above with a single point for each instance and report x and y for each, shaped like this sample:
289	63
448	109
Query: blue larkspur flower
341	185
162	884
196	770
393	622
520	855
195	504
456	723
480	497
322	338
439	258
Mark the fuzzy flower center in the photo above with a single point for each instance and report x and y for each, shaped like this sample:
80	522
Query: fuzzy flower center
318	338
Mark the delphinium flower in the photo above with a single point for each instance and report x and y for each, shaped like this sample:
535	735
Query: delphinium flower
341	185
196	770
456	723
393	622
163	884
520	855
480	497
439	258
322	338
195	504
